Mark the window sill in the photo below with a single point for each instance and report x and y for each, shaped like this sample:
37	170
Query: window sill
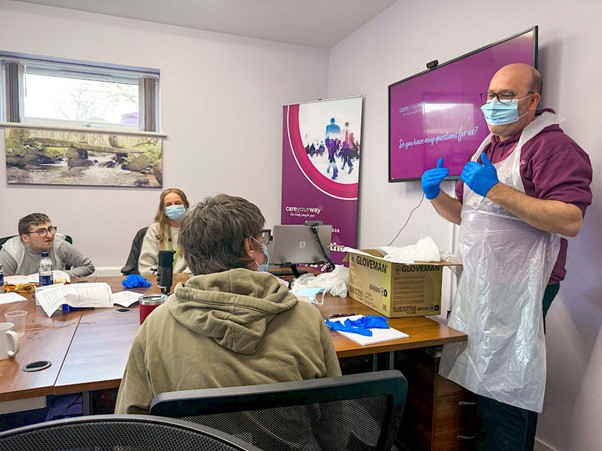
106	131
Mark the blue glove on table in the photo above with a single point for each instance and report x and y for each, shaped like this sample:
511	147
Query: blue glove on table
480	177
432	178
360	326
135	281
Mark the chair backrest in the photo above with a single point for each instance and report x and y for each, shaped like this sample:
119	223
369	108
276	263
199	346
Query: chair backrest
353	412
131	265
5	239
110	432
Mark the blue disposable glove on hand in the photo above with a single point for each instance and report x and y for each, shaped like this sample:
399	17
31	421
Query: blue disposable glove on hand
432	178
480	177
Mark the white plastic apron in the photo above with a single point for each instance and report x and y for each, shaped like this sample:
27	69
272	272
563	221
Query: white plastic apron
506	267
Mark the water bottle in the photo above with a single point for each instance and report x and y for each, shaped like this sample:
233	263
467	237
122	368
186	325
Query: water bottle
45	270
1	279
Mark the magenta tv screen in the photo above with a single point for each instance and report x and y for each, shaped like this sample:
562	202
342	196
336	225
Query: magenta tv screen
437	113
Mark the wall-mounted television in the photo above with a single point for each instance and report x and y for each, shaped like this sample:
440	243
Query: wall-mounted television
437	113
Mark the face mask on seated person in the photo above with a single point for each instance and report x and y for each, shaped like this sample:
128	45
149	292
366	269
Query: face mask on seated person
266	260
175	212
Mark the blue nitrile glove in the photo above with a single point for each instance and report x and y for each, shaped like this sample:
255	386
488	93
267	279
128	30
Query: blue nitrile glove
369	322
432	178
135	281
360	326
344	327
480	177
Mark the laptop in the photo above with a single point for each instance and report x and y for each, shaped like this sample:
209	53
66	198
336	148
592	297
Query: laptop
297	244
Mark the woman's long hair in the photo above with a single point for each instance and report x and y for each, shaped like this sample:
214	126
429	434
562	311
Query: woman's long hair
162	218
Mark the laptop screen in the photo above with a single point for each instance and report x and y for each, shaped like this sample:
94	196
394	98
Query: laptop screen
298	244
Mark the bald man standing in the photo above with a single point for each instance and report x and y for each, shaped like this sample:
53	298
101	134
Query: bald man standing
525	188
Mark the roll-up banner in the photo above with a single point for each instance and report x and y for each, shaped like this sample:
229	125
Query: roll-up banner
321	145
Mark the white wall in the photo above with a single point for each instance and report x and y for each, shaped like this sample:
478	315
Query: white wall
397	44
221	98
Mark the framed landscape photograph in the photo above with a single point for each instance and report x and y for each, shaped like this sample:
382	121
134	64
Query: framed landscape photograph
46	157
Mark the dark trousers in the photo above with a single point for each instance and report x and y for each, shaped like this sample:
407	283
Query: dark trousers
503	427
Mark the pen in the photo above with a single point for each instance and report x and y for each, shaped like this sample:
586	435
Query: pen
339	315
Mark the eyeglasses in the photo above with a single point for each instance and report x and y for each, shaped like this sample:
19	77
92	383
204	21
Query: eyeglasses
266	236
502	96
44	232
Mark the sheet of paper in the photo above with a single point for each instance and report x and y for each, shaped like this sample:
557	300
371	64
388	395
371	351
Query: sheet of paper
378	335
125	298
34	278
76	295
7	298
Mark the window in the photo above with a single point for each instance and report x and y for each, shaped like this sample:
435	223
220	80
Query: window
62	94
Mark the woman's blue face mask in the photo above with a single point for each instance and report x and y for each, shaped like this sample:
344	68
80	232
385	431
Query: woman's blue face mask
175	212
498	113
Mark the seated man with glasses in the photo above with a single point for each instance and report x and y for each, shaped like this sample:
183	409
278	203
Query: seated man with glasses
22	254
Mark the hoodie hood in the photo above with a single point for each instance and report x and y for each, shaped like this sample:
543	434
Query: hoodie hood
233	307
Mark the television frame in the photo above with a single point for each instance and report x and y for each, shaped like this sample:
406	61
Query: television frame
434	66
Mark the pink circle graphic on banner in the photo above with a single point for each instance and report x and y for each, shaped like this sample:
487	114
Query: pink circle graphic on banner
347	191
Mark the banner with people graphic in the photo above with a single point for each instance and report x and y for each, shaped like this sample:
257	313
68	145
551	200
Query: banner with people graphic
320	167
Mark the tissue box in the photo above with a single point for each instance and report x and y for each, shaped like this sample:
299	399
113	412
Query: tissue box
395	289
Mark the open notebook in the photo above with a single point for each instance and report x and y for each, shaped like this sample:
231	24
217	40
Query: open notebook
378	335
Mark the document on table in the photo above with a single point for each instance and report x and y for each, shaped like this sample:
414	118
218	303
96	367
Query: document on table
7	298
378	335
52	297
125	298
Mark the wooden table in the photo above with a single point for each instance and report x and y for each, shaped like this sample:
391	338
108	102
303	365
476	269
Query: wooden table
45	339
101	345
89	348
423	332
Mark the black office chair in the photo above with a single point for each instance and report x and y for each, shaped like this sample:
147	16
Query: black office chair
112	432
131	265
5	239
353	412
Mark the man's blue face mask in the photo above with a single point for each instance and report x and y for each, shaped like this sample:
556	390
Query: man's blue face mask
266	261
498	113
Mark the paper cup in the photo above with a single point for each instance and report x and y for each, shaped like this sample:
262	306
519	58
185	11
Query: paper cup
19	319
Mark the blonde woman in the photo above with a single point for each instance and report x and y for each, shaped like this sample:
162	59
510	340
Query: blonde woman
163	233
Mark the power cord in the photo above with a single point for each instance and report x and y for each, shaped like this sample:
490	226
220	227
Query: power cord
77	400
330	265
407	220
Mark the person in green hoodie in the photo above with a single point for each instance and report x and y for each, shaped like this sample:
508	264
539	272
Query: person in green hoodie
230	324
